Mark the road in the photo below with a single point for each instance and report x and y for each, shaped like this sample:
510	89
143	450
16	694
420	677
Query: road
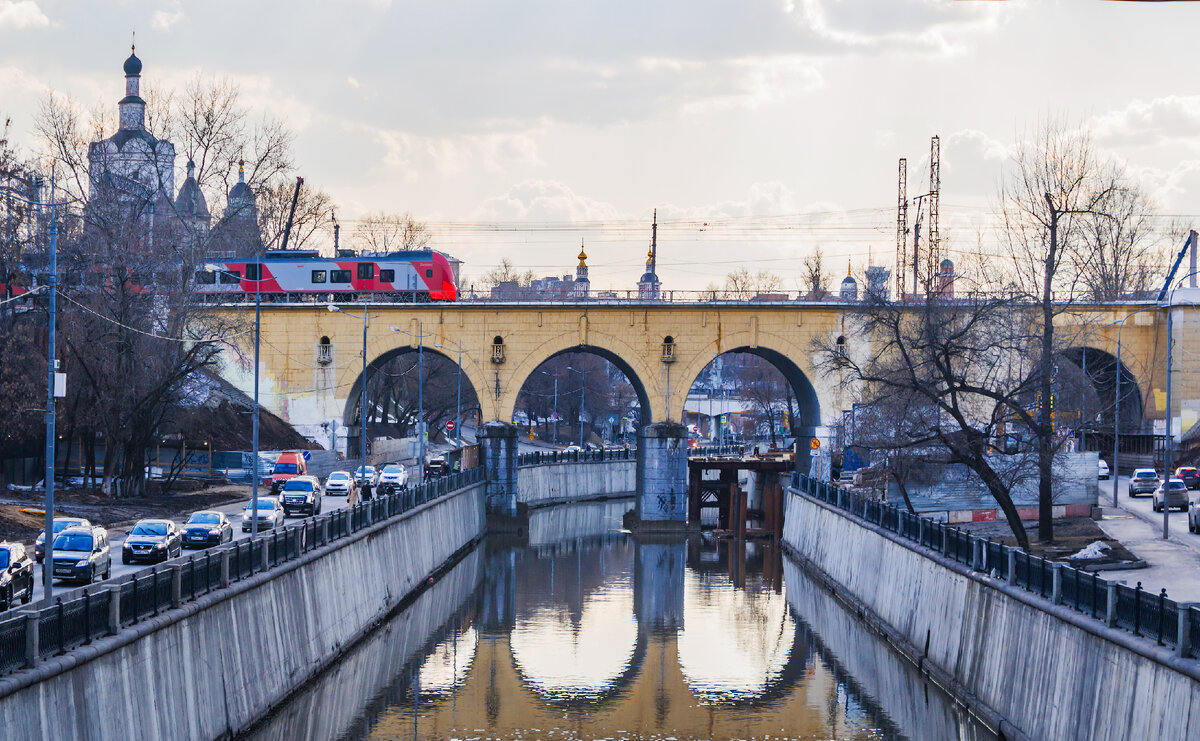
117	540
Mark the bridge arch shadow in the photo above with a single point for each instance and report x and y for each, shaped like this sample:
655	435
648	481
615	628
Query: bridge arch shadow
391	380
1102	373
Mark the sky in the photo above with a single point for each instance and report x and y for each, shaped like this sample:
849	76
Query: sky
758	129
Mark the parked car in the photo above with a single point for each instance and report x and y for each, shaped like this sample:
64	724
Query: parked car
152	541
81	554
572	449
207	527
1143	481
1194	516
288	465
1189	476
270	515
339	483
301	495
1171	494
1103	470
16	575
60	524
394	476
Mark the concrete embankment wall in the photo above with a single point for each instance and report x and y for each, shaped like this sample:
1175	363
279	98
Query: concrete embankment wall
1045	671
335	705
213	667
557	483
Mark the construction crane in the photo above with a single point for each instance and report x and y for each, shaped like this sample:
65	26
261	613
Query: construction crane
935	185
287	228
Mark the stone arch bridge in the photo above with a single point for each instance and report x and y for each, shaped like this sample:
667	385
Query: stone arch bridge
311	363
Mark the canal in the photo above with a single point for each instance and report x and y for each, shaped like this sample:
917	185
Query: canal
582	631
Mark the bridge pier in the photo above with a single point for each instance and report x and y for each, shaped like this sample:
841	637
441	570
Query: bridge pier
662	477
498	445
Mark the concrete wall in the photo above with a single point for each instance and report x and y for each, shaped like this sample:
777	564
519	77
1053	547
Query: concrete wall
214	666
1047	670
556	483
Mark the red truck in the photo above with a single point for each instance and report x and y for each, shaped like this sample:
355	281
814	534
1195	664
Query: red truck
288	465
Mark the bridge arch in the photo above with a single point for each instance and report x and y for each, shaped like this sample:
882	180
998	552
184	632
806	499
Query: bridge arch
620	353
1103	372
805	392
436	361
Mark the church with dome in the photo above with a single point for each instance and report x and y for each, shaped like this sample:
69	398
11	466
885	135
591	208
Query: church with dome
132	197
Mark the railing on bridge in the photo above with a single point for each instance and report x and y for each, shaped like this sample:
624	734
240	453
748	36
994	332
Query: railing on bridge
541	458
1131	608
83	615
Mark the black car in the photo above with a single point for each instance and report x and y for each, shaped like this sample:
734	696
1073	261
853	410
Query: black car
60	524
206	528
1189	476
16	575
152	540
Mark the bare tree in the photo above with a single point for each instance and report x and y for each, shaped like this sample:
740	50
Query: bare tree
743	285
312	227
384	232
942	379
1122	252
814	274
1056	188
505	272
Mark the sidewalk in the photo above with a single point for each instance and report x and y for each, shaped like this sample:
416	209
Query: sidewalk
1174	563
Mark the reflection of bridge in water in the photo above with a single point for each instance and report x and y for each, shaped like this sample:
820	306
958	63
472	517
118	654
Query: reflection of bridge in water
631	637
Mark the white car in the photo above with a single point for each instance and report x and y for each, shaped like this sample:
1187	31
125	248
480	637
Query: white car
393	474
1103	470
365	476
339	484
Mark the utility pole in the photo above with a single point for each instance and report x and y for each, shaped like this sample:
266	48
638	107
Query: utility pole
902	229
935	185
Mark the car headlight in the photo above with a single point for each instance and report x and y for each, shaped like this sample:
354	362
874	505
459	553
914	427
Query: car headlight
215	531
245	515
128	547
159	546
82	564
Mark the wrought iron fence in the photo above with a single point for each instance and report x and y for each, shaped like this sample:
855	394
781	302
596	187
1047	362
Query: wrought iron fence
1144	614
83	615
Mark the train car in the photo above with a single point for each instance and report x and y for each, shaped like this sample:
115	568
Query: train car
303	275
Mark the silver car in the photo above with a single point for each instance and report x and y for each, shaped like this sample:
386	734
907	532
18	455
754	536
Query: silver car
1173	494
270	515
339	484
1143	481
393	475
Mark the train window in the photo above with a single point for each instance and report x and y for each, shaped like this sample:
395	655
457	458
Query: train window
318	276
230	276
206	277
366	271
429	273
254	271
387	276
339	276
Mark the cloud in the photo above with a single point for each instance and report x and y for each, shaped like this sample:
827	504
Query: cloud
544	200
21	14
917	25
414	154
1170	119
163	20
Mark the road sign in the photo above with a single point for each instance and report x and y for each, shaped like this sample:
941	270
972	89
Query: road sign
307	455
815	444
612	419
554	417
450	425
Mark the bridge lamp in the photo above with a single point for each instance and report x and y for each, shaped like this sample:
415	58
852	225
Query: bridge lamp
254	476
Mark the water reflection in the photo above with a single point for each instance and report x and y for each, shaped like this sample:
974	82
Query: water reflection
604	635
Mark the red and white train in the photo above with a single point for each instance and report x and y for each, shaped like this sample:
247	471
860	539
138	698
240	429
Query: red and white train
408	277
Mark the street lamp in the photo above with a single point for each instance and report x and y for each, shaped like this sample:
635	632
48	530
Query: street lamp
458	401
51	371
420	335
1116	472
555	377
582	389
215	268
362	409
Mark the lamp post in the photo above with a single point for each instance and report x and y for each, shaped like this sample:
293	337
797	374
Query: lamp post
1116	470
51	371
420	335
555	377
582	390
362	403
254	476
